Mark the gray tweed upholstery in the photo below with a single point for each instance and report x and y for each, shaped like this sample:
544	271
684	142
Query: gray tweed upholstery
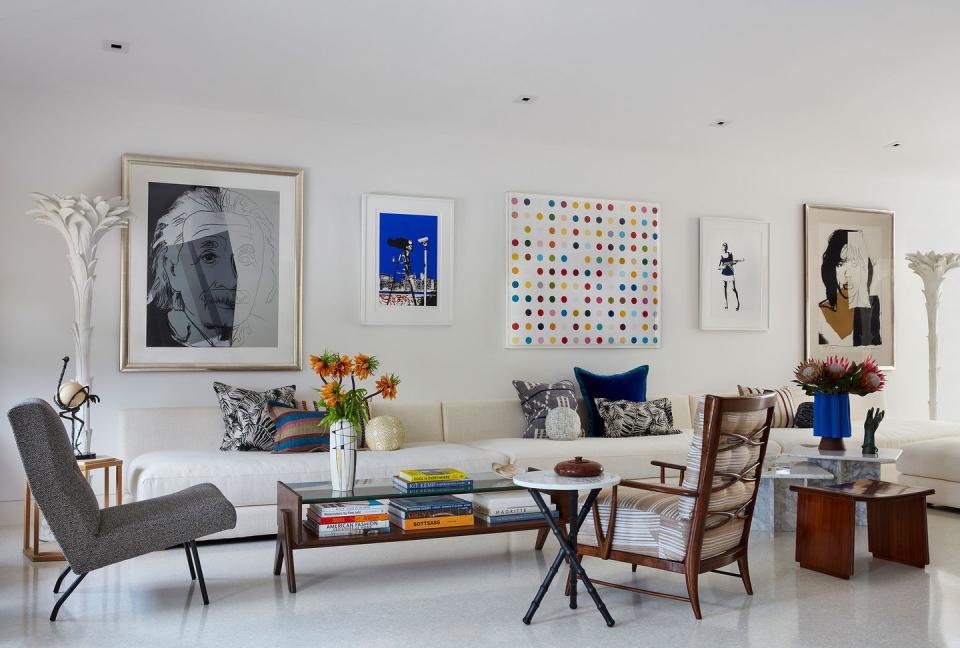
92	538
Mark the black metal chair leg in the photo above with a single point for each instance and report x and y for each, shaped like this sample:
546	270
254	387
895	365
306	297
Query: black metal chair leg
193	573
196	564
63	574
60	601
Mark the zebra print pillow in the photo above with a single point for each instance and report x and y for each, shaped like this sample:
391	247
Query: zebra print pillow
246	423
537	399
626	418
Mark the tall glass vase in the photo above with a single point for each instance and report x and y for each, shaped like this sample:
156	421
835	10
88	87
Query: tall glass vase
831	420
344	440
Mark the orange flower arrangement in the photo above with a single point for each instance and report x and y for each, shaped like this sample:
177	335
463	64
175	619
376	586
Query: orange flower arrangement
350	404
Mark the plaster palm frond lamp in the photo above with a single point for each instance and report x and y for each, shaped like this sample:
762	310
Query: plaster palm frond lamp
83	222
932	267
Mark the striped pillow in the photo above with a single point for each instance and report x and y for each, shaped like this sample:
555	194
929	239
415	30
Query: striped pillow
784	412
298	430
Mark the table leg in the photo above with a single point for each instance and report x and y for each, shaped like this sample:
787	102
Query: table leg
106	487
278	554
825	528
568	553
897	531
27	497
288	533
119	472
572	575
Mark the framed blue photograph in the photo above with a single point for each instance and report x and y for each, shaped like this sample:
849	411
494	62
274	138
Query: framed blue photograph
408	260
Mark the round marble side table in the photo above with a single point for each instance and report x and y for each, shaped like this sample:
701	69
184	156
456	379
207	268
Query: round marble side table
536	481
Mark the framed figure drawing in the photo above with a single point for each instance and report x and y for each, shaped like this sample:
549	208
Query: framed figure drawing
210	266
849	283
407	272
734	274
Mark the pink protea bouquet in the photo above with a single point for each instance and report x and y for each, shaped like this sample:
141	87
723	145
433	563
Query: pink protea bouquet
837	375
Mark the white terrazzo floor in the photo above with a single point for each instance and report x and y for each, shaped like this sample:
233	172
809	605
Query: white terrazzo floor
473	592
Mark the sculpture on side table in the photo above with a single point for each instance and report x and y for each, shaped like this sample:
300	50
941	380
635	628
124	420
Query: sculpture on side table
70	397
870	425
931	268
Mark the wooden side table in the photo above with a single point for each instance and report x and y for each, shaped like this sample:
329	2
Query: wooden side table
896	524
31	511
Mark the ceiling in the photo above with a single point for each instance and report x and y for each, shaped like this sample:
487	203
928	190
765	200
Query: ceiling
827	78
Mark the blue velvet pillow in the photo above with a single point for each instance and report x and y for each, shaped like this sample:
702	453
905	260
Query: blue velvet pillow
630	385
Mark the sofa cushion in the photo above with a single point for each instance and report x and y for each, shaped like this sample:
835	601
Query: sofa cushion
784	411
935	459
629	385
628	457
247	425
537	399
250	478
626	418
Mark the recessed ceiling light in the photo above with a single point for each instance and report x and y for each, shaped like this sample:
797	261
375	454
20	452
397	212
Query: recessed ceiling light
116	46
894	145
720	123
525	99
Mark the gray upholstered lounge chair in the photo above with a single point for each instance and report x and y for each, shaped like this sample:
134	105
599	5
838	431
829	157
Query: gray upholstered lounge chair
92	538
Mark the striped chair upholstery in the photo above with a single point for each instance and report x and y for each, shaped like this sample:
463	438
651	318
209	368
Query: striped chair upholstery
659	525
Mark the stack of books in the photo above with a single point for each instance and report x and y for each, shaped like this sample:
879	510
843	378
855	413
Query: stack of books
348	518
509	506
426	480
434	512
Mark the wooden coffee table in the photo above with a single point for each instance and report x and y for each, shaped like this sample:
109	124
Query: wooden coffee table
293	534
896	524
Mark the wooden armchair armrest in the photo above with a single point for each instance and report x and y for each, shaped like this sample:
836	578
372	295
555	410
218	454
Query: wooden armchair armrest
659	488
663	473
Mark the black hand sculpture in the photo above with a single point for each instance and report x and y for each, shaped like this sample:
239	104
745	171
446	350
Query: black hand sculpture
870	425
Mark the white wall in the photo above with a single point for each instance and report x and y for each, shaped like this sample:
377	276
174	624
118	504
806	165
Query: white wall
71	144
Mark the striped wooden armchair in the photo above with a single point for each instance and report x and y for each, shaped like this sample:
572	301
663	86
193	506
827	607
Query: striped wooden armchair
704	523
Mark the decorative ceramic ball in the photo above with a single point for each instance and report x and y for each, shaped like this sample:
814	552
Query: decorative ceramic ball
385	433
563	424
71	394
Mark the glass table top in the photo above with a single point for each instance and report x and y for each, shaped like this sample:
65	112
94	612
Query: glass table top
364	489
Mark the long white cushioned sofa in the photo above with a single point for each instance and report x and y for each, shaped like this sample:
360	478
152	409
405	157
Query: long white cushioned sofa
167	449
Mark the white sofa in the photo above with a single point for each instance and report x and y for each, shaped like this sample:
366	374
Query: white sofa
167	449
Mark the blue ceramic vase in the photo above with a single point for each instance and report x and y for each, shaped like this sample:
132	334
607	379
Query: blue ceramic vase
831	420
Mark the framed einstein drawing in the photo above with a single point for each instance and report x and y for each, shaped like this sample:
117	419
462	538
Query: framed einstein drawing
210	266
849	283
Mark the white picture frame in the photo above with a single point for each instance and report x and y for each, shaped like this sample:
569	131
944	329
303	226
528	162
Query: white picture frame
734	280
395	288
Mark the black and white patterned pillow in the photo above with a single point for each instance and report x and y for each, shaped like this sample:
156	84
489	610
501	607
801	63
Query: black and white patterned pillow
246	423
626	418
537	399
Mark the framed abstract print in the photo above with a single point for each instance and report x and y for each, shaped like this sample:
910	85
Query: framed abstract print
407	272
210	266
734	274
848	262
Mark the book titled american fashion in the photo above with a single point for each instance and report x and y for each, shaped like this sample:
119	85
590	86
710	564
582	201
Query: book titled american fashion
353	525
416	487
340	519
328	533
412	475
440	522
360	507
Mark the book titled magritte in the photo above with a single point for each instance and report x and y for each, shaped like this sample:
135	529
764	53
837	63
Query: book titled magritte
415	475
506	503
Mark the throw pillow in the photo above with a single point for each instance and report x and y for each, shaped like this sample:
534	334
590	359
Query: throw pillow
298	430
623	418
247	425
804	416
630	385
537	399
783	411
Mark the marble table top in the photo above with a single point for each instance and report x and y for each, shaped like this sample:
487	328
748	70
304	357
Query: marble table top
883	456
549	480
780	469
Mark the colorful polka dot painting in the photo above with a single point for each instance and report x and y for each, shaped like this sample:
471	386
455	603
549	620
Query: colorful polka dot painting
582	272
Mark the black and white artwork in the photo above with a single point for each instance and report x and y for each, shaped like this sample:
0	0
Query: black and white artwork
849	299
212	271
212	277
734	274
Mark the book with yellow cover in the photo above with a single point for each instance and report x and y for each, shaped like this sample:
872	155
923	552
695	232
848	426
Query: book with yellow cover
414	475
440	522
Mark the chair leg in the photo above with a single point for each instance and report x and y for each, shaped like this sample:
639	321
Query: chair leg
745	573
541	538
60	601
193	573
196	564
63	574
693	592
